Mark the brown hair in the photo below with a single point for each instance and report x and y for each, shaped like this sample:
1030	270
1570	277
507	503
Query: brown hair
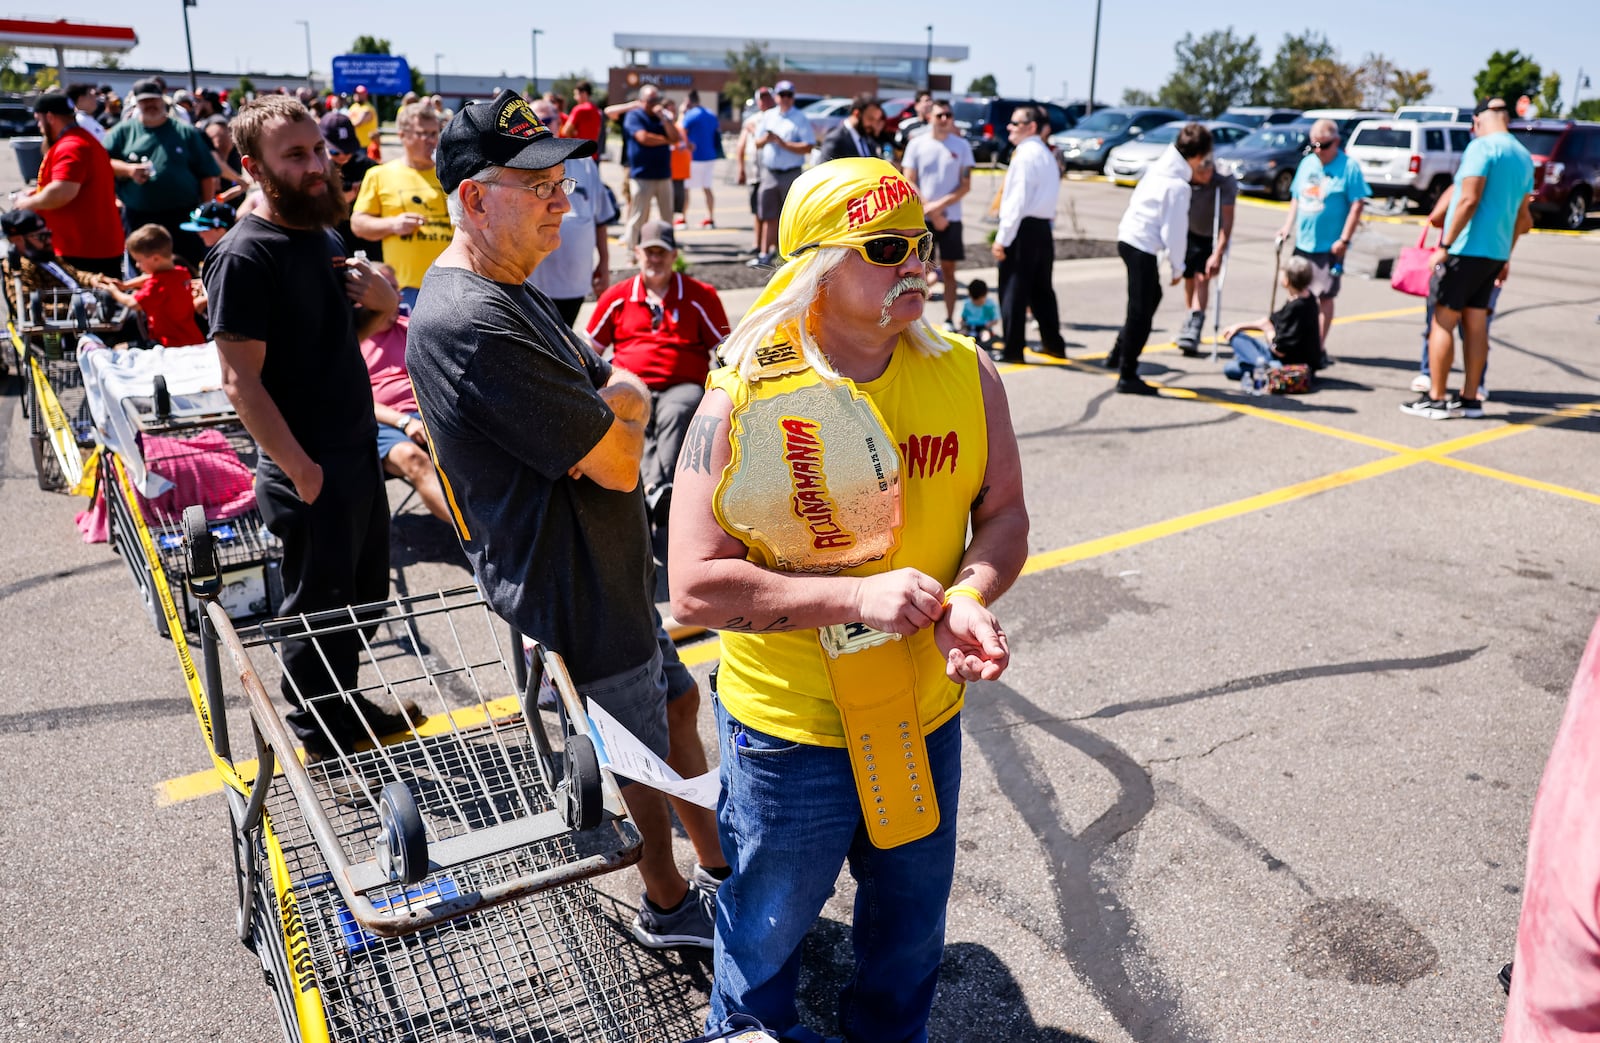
150	240
407	117
253	118
1193	141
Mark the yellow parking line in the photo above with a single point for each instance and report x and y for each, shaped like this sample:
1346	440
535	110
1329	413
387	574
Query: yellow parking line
1522	480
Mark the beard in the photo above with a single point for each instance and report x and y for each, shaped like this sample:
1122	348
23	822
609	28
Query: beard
300	208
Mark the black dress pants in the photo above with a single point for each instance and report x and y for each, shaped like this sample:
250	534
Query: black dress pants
1144	296
1025	283
335	554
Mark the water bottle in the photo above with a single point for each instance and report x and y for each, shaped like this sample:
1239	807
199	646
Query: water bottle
1336	269
1259	381
1247	382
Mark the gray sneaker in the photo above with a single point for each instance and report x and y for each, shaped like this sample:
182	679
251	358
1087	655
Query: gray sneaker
1193	328
702	878
691	925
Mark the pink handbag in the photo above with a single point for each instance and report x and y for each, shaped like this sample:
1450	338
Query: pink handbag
1413	269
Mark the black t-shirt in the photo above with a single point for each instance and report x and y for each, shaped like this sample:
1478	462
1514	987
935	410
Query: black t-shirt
1297	332
508	392
279	285
352	173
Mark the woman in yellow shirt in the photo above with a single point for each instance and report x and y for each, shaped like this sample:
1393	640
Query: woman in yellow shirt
821	517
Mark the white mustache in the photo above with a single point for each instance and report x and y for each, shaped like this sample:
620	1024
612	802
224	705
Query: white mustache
910	282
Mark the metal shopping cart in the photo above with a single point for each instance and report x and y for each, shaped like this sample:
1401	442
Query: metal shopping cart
44	335
165	446
428	885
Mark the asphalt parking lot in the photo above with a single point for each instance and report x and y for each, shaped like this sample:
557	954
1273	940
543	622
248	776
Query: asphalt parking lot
1286	671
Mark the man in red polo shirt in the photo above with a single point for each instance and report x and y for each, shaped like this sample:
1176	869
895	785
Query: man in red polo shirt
663	326
77	194
584	120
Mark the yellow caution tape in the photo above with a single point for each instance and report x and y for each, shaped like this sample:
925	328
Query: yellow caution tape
296	945
62	440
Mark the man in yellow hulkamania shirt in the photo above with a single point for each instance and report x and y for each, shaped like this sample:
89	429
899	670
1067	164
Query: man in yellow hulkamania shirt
849	627
363	117
402	204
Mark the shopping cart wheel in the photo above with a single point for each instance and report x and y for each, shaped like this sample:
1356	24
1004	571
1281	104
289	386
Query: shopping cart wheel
163	398
199	546
402	848
579	794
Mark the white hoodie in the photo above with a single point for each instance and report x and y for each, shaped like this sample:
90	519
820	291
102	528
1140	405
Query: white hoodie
1157	217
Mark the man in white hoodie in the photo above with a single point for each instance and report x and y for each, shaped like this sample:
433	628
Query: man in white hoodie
1157	220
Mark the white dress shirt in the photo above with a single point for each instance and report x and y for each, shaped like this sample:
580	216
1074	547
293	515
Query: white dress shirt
1032	188
90	124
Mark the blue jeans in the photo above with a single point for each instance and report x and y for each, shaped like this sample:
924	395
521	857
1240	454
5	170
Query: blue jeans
788	818
1248	353
1427	325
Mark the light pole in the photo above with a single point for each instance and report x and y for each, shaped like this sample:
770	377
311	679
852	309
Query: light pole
187	43
1030	81
310	79
928	71
536	33
436	57
1094	59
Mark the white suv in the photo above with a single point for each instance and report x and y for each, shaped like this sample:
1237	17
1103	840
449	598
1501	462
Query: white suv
1408	158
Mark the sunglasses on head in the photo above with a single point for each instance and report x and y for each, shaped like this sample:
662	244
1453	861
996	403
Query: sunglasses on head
656	315
888	251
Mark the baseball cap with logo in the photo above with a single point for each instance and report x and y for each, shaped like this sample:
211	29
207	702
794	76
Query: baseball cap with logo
657	233
340	134
21	222
147	89
501	133
783	87
208	216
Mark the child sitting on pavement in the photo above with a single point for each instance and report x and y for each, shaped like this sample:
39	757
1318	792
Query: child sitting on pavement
1295	337
979	313
163	291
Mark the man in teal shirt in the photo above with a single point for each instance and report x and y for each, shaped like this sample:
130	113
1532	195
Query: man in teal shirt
1488	212
1325	204
164	169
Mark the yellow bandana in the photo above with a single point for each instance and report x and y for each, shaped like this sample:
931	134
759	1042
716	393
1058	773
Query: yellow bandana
840	203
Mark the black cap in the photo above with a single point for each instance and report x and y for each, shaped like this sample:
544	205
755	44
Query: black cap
209	216
1487	103
340	134
501	133
148	89
52	104
21	222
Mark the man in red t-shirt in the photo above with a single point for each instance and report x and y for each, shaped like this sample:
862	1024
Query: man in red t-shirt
663	326
584	119
77	195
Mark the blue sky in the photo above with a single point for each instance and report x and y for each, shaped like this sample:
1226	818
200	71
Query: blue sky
1136	36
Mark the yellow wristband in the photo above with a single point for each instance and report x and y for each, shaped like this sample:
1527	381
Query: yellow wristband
967	591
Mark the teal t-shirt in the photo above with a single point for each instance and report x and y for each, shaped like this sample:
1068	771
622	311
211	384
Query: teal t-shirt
1323	196
180	155
985	314
1507	172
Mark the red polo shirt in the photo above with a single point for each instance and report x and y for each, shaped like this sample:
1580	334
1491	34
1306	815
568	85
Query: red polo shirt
89	226
678	350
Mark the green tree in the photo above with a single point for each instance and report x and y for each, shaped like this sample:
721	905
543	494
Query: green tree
109	61
984	86
1373	76
747	70
1137	97
12	79
370	45
1549	99
1409	88
1587	109
245	88
1213	72
1292	64
1328	84
1508	75
564	83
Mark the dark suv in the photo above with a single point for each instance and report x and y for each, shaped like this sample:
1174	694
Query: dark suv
1566	168
986	120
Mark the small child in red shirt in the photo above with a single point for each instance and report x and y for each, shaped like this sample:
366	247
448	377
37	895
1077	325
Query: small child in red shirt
164	293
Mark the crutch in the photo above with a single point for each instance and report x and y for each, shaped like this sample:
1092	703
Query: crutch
1222	276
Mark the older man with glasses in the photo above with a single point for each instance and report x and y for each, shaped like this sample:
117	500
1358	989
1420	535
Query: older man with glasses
1325	204
538	442
401	203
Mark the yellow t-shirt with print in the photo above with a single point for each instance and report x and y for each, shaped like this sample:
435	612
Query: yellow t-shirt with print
778	682
396	188
364	131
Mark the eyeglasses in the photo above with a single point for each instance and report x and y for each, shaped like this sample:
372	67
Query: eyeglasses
890	251
1020	123
1320	145
941	115
543	189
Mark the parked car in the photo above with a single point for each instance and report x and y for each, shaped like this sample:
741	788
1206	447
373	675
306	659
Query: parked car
1265	159
1345	118
1434	114
1253	116
894	111
1129	160
1088	145
1566	168
827	114
16	120
985	122
1408	159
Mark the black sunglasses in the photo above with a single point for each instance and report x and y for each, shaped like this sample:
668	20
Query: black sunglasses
656	315
887	251
1320	145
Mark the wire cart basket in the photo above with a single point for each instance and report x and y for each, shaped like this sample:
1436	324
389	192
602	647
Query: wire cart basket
425	885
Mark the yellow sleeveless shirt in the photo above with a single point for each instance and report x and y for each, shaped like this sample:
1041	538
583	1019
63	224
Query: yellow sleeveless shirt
777	682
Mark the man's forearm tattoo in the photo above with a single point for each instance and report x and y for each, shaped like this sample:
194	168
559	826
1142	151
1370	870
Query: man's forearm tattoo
750	626
698	443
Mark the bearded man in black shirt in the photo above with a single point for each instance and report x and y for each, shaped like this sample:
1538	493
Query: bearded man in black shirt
287	312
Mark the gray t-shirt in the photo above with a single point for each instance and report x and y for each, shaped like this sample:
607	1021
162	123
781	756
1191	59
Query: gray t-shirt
565	274
509	396
1203	201
939	166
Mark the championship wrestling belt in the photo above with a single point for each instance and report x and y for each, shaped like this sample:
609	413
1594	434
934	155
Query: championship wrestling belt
814	486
